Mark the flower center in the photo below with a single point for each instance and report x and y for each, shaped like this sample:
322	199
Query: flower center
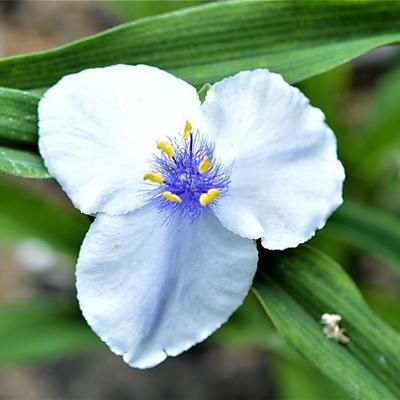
189	179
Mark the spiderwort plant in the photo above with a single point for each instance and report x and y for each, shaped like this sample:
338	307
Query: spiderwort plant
180	190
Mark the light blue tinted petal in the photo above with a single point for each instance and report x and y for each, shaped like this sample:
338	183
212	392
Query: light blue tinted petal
286	178
98	129
152	290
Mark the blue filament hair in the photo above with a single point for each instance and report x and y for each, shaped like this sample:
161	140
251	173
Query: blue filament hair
181	177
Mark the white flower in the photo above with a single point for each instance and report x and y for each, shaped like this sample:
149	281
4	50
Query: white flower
170	257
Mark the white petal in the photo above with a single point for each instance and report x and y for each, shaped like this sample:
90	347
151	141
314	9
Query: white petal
151	290
286	179
98	129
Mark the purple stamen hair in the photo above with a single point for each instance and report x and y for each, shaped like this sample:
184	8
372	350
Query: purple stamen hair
181	177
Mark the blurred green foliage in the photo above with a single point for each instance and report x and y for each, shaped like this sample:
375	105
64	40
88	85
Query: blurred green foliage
25	214
42	329
126	11
300	381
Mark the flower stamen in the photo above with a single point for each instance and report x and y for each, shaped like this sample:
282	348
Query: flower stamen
192	178
187	130
204	165
174	198
208	197
153	178
166	148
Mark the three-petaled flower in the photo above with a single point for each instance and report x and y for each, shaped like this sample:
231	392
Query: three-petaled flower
180	189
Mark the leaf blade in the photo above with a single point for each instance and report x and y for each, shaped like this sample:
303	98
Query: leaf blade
18	116
297	289
22	163
206	43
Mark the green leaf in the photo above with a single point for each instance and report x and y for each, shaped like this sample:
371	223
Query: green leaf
295	288
297	379
373	231
249	327
18	128
24	214
18	116
42	329
204	44
203	91
22	163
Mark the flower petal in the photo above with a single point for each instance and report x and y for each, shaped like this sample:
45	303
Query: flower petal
99	127
286	179
152	290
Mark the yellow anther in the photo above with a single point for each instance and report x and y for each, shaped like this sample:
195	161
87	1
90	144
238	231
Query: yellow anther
204	199
172	197
204	165
208	197
213	193
153	178
188	129
166	148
